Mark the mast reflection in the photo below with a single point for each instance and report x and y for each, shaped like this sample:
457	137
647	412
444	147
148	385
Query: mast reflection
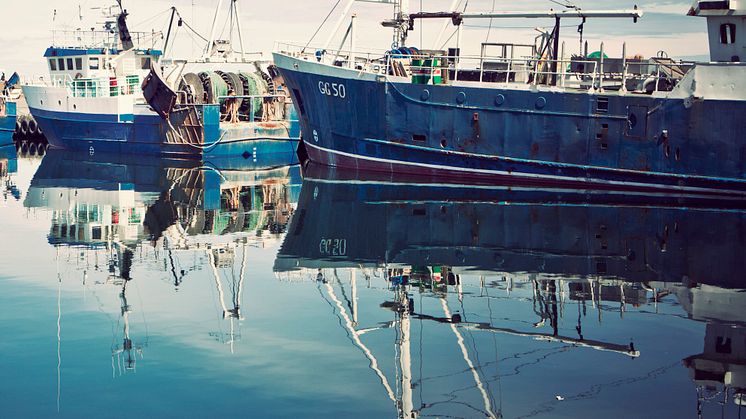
577	252
118	220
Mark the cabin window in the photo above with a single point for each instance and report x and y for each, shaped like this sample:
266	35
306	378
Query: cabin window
70	64
728	33
61	64
145	63
78	63
93	63
53	64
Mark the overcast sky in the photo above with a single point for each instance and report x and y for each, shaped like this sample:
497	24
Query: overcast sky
27	28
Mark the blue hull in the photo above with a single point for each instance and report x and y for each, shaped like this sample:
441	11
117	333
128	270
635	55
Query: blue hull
146	135
560	233
8	124
521	136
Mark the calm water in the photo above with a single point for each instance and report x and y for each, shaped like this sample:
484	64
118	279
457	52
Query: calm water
154	288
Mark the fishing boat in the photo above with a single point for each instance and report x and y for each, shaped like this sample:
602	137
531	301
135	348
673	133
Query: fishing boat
94	99
529	113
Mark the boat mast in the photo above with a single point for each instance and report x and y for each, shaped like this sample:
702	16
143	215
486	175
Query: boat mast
401	16
238	27
211	39
168	34
405	356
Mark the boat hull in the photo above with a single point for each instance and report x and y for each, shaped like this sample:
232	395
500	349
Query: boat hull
527	136
143	132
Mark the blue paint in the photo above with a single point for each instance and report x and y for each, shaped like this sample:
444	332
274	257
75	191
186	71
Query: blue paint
545	134
8	124
503	229
146	134
9	154
212	190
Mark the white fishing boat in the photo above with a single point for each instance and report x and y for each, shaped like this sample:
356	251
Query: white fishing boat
94	101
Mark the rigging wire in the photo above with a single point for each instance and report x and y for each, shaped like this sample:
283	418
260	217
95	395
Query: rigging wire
487	38
194	31
150	19
321	26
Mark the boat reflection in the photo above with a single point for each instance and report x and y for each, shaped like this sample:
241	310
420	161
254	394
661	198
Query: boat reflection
113	216
8	167
570	253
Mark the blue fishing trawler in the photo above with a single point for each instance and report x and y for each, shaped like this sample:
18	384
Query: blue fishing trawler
531	114
94	100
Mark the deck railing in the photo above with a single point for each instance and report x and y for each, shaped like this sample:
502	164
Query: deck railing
102	39
102	86
596	74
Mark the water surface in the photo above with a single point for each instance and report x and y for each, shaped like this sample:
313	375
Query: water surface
156	288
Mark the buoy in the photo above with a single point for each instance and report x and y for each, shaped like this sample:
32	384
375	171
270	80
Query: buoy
24	147
41	149
32	149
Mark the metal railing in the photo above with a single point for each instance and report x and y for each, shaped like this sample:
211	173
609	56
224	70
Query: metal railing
104	86
102	39
623	74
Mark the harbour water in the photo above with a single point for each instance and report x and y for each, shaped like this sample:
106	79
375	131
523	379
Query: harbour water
153	289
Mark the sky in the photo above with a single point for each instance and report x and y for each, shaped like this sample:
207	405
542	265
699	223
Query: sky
665	26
